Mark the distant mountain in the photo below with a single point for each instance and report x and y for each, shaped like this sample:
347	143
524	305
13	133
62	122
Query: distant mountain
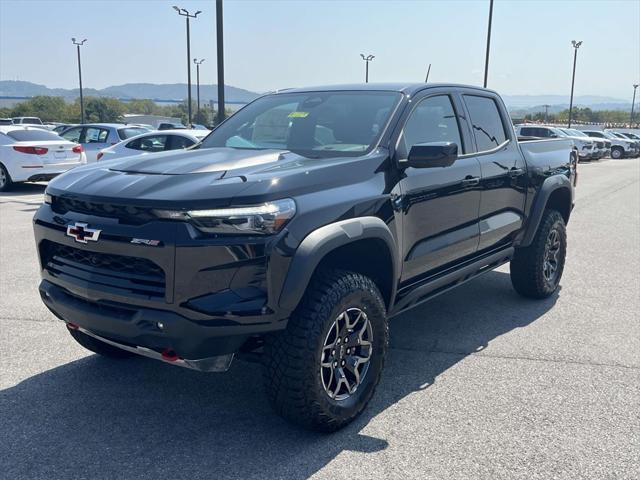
175	91
527	101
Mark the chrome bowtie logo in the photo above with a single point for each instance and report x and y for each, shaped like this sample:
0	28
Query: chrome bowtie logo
81	232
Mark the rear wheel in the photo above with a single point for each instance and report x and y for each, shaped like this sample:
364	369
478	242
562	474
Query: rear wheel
5	179
536	270
96	346
322	371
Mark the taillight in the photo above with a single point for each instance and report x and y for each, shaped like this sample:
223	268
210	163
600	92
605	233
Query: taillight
100	154
77	149
32	150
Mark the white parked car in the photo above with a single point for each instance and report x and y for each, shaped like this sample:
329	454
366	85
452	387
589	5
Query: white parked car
153	142
585	145
29	154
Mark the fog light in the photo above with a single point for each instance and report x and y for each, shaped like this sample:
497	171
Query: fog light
160	325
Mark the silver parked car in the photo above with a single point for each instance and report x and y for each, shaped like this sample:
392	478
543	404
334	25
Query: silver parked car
96	136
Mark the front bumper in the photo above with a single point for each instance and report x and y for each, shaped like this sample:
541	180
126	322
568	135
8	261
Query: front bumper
198	297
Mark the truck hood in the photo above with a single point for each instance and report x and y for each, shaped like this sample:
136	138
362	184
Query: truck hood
208	177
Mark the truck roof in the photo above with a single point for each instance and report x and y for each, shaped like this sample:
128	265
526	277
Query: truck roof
407	88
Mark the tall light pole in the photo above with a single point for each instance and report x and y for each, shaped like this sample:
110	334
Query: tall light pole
220	58
78	45
198	63
486	58
633	102
367	59
183	12
576	46
546	113
426	80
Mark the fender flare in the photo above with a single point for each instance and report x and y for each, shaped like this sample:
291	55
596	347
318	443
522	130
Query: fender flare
322	241
549	186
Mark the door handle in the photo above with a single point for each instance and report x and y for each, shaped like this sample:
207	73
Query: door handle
516	172
470	180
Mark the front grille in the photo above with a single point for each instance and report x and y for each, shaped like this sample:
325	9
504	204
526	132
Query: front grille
126	214
120	274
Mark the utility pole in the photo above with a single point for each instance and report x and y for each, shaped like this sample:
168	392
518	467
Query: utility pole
576	46
633	102
198	63
486	59
367	59
78	45
183	12
220	58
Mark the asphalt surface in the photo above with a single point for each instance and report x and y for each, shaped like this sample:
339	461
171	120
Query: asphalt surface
480	383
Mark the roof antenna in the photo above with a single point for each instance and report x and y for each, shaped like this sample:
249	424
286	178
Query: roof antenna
428	72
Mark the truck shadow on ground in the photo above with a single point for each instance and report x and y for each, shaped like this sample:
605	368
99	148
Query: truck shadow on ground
19	194
96	418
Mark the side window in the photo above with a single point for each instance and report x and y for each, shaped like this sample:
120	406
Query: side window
488	127
154	143
73	134
96	135
177	142
432	120
528	131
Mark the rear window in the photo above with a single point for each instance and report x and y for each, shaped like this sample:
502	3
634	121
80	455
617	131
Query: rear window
32	120
488	127
32	135
129	132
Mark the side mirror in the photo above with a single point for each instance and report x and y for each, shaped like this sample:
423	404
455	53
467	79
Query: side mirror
553	135
431	155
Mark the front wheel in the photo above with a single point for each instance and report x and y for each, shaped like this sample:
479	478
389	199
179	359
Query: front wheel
5	179
322	370
617	153
536	270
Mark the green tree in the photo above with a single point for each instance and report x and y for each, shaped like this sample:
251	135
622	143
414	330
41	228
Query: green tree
48	109
143	107
103	109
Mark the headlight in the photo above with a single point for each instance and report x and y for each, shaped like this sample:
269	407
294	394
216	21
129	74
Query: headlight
262	219
48	198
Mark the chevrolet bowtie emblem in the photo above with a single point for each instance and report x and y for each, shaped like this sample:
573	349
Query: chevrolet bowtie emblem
81	232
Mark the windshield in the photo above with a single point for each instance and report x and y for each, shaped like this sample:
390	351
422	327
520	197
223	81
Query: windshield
312	124
577	133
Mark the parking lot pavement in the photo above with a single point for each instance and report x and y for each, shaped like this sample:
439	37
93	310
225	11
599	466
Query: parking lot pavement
480	383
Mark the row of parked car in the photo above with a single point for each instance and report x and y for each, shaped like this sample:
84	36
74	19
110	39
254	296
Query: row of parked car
29	153
591	144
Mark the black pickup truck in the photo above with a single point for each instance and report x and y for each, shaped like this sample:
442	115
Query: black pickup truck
297	228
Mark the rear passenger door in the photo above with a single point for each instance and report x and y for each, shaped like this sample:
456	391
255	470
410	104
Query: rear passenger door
439	205
504	175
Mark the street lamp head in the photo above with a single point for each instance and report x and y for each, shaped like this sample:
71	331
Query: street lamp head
576	44
176	9
73	39
197	13
362	55
635	86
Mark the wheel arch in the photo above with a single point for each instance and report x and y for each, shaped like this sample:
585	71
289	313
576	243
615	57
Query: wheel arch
364	245
556	192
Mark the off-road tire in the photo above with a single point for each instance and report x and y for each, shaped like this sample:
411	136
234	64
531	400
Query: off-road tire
292	358
528	264
5	179
96	346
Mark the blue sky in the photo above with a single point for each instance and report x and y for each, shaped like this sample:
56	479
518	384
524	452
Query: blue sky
278	44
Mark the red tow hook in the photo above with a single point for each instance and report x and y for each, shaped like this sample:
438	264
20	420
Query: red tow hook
169	355
72	326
